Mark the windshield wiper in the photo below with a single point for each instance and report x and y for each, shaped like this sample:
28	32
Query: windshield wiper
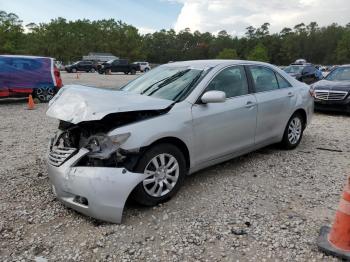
178	97
169	80
164	79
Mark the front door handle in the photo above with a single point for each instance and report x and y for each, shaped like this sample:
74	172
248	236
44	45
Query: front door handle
290	94
250	104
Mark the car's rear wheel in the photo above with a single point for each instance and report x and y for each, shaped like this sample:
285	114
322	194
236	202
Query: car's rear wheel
44	94
133	71
146	70
164	167
293	132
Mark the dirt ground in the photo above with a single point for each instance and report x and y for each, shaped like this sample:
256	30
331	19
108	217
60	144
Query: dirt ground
265	206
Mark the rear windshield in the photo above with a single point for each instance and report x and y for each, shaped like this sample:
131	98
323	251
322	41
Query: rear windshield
294	69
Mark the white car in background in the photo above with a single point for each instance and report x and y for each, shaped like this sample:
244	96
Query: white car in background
144	66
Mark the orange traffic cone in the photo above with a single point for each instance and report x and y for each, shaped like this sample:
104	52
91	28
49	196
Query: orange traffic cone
336	240
30	103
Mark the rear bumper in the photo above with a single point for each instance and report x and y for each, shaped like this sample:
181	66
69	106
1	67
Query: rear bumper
339	106
104	190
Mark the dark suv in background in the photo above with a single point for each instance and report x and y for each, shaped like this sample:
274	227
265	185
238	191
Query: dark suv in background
87	66
306	73
118	65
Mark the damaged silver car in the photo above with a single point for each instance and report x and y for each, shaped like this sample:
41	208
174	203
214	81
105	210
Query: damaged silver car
142	140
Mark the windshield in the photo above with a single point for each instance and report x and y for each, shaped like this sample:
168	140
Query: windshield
171	83
293	69
339	74
110	61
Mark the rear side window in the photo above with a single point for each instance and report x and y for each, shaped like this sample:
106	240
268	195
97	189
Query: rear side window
232	81
282	83
264	79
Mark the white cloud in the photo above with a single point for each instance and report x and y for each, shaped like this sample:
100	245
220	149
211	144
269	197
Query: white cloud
146	30
235	15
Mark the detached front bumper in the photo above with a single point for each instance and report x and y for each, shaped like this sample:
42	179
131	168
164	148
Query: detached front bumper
99	192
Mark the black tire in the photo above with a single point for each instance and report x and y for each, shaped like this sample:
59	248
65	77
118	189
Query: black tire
126	73
44	94
133	71
146	70
139	194
74	70
287	142
92	70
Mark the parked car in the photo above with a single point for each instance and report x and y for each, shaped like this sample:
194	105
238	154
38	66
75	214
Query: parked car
21	76
175	120
118	65
306	73
86	66
60	66
333	92
144	66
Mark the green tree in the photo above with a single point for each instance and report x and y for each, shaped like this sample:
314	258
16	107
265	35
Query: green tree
259	53
343	49
227	53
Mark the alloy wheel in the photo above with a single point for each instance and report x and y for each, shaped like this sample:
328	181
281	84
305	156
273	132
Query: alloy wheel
162	175
294	130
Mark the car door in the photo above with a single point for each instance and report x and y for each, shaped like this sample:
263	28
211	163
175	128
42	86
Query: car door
224	128
115	66
275	98
80	66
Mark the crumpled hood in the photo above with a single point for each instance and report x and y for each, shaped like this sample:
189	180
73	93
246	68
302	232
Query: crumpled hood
76	103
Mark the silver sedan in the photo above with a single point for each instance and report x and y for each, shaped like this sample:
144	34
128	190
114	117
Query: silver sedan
142	140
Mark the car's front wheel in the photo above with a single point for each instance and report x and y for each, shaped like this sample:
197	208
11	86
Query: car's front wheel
293	132
164	167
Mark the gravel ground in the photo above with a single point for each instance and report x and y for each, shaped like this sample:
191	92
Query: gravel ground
265	206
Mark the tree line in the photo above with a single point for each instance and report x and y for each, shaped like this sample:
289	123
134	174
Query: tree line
68	41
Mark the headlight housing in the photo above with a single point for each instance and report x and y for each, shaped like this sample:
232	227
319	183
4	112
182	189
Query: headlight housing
102	146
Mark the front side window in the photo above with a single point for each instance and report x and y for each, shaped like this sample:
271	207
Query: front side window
232	81
264	79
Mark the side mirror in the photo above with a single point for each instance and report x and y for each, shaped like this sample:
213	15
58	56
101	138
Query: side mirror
213	97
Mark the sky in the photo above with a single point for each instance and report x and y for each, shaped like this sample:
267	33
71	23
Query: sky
203	15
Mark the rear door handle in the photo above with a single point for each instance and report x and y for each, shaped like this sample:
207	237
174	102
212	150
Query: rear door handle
290	94
250	104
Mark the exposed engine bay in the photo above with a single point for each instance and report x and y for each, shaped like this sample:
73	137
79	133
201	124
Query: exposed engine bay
104	150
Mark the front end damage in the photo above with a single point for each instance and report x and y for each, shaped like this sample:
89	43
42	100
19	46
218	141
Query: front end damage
89	170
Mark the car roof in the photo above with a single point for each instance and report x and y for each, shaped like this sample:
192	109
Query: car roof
202	64
25	56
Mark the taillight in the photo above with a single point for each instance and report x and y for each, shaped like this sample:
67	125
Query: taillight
57	77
